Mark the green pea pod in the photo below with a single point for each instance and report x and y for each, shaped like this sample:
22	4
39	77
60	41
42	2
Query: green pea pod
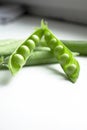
7	46
19	57
64	56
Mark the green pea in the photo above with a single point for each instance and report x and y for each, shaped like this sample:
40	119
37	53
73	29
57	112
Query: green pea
36	39
64	58
30	44
75	74
52	43
24	51
58	50
47	36
17	60
70	69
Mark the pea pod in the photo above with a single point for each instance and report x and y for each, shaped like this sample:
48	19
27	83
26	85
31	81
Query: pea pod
7	46
36	58
19	57
64	56
77	46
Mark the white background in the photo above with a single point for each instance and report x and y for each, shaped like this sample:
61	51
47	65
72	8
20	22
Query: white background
41	97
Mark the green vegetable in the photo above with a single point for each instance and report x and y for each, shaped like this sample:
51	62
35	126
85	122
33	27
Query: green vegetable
54	51
7	46
22	53
41	57
76	46
64	56
35	58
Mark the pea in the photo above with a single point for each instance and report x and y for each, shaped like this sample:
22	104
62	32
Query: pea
36	39
58	50
52	43
24	51
47	36
17	60
64	58
30	44
70	69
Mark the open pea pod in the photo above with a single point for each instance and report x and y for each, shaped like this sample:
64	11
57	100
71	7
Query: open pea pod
64	56
19	57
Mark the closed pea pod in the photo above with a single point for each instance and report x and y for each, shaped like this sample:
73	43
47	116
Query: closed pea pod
22	53
64	56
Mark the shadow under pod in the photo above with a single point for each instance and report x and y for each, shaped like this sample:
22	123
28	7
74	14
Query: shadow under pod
5	77
56	72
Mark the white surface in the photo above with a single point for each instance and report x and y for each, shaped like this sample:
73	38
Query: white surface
40	97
